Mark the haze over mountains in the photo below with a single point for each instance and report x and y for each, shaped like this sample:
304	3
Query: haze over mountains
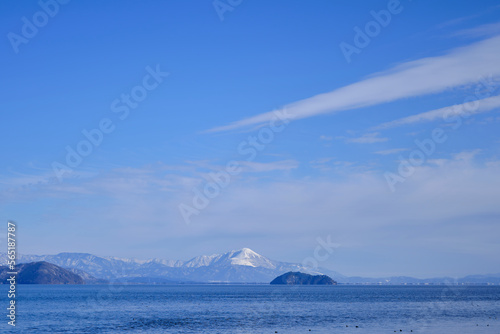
239	266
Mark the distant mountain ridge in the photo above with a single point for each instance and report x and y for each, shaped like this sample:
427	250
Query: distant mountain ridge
237	266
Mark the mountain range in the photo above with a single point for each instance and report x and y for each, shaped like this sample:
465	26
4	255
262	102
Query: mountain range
237	266
240	266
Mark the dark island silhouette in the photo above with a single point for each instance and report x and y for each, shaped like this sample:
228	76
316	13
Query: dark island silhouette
41	273
298	278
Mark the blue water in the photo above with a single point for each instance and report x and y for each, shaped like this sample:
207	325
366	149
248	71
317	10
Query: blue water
254	309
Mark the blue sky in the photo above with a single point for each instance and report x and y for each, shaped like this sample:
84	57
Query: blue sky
372	122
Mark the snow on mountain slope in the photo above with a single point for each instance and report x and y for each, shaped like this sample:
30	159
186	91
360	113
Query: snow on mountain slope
242	257
201	261
247	257
168	263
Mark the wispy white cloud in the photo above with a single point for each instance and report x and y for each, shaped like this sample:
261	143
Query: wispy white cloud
475	107
463	19
481	31
133	183
323	164
368	138
461	66
321	160
467	156
326	138
391	151
259	167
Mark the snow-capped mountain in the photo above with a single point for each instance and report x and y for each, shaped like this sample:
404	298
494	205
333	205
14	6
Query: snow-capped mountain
238	266
242	257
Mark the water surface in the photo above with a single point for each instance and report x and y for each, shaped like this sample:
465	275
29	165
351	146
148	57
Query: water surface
255	309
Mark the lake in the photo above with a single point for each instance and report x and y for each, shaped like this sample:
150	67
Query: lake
254	309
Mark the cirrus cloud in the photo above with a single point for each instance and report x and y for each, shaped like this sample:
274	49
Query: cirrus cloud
461	66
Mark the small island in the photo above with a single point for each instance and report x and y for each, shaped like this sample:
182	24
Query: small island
298	278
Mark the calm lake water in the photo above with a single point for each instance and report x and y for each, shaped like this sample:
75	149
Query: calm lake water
254	309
